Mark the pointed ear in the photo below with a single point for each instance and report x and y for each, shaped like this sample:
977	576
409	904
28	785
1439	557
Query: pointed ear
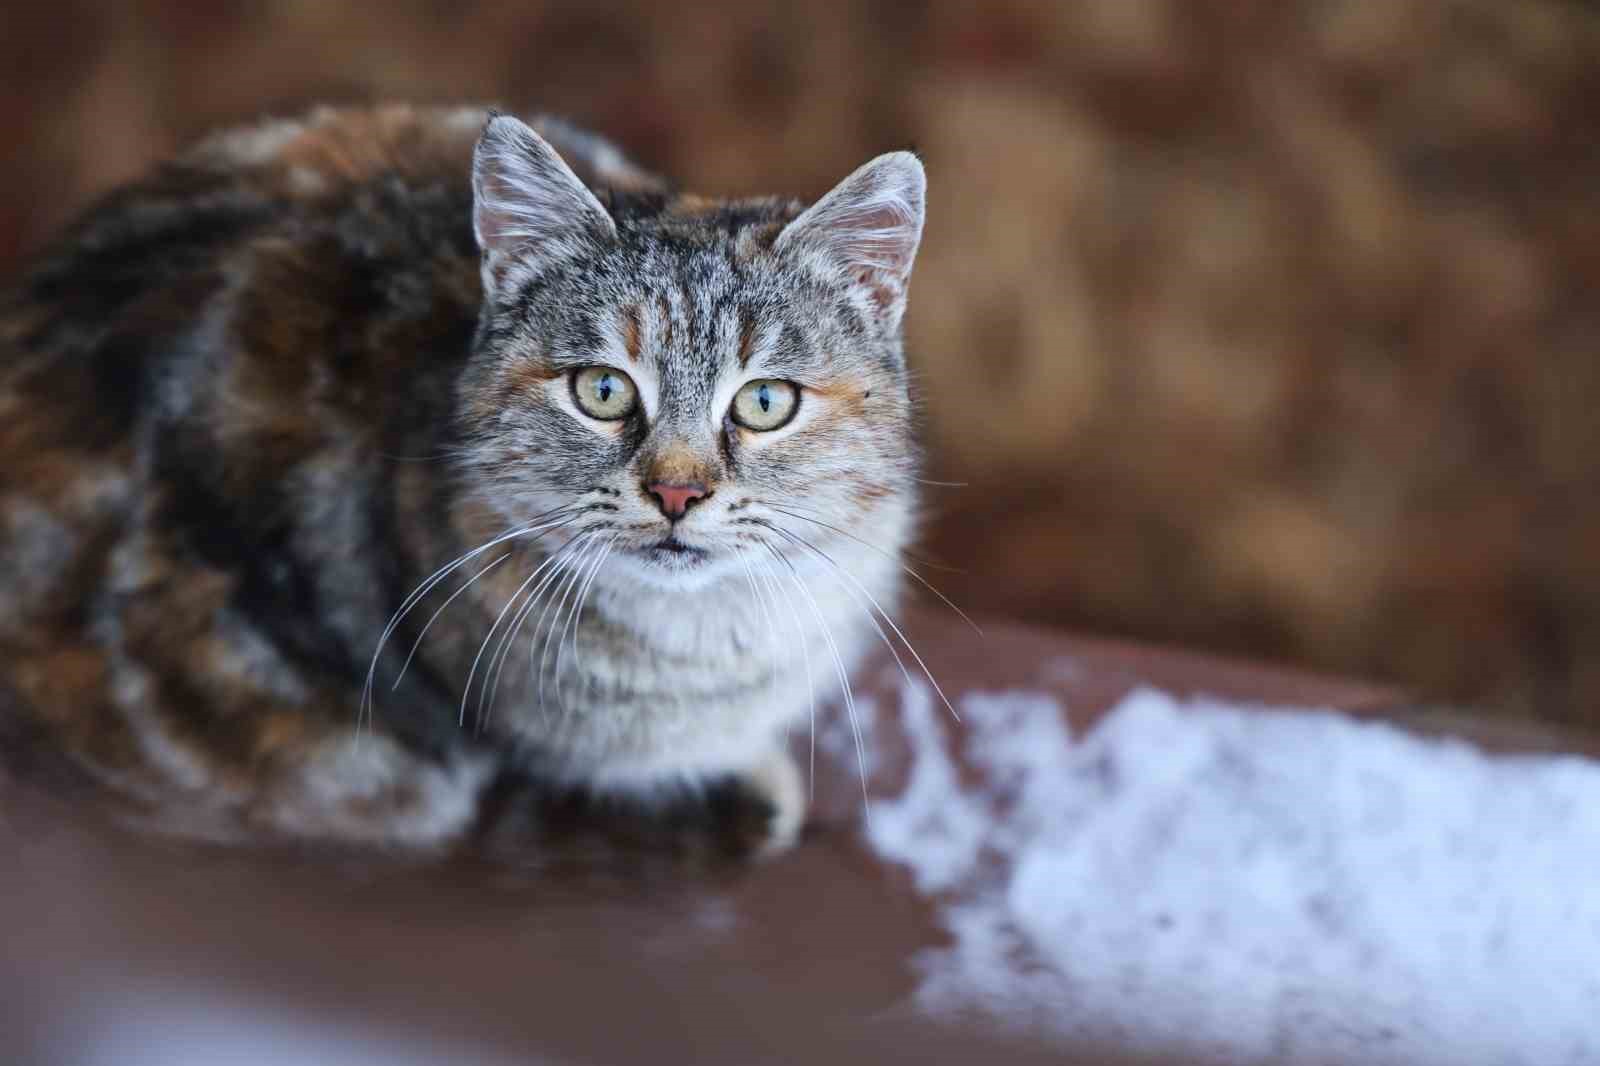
869	226
528	206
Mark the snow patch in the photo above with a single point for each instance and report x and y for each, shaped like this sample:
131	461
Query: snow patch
1253	885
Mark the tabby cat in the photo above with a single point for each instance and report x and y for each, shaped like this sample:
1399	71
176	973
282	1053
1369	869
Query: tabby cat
359	463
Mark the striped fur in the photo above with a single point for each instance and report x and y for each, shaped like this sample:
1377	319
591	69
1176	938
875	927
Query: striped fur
252	402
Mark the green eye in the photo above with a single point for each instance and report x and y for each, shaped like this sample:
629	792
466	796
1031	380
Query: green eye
603	393
766	404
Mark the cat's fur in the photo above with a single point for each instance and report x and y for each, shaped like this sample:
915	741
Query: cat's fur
251	403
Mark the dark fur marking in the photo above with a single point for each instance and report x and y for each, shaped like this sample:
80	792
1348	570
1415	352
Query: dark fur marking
747	335
630	331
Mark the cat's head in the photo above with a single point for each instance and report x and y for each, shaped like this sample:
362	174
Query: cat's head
690	382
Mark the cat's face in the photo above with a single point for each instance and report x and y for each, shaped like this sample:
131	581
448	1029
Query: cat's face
684	388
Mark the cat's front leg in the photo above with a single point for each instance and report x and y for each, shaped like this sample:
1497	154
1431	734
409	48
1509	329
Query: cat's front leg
732	817
776	780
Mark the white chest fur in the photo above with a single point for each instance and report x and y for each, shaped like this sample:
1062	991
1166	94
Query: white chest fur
651	684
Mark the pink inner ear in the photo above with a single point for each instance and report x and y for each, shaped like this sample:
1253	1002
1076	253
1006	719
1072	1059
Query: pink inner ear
495	223
879	285
873	225
526	197
884	239
870	225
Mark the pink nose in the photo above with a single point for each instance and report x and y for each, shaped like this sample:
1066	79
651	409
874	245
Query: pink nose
674	500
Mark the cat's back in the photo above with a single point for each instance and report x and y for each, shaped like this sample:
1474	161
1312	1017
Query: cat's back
184	366
131	278
239	235
263	264
389	185
121	344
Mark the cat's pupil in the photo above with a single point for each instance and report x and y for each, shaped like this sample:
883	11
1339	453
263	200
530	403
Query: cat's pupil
764	398
603	388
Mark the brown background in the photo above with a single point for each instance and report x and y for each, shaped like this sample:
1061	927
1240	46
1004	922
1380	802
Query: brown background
1260	325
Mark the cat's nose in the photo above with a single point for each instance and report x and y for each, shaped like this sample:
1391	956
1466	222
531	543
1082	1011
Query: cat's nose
676	499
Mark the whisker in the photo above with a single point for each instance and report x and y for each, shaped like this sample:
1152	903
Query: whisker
601	553
485	689
841	571
553	637
894	652
888	555
902	556
507	643
411	600
471	673
553	596
771	577
423	632
577	657
772	629
838	664
428	584
539	637
568	583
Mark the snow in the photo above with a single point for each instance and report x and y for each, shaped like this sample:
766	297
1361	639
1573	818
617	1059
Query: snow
1250	885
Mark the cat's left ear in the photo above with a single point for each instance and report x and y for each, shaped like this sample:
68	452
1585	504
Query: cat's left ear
527	204
869	226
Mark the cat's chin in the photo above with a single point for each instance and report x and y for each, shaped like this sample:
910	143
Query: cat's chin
674	565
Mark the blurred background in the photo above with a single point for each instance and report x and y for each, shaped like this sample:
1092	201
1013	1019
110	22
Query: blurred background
1263	326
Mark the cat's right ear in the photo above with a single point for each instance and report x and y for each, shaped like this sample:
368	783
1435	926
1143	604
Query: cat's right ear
528	207
869	227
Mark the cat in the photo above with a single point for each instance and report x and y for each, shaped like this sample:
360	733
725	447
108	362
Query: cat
360	462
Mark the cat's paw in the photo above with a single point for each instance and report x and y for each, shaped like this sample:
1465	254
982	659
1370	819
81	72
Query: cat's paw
776	779
755	813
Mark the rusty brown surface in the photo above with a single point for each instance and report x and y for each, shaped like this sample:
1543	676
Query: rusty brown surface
803	958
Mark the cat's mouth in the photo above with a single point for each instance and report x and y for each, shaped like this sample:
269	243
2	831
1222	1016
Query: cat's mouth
673	552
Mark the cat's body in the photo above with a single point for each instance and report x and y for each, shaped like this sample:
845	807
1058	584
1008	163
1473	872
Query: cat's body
250	406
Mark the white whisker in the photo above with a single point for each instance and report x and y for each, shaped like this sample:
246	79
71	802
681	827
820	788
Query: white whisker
508	642
888	555
577	657
865	609
366	707
772	629
568	583
423	632
844	677
771	577
601	552
467	690
847	575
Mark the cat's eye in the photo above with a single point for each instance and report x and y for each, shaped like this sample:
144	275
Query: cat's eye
603	393
766	404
